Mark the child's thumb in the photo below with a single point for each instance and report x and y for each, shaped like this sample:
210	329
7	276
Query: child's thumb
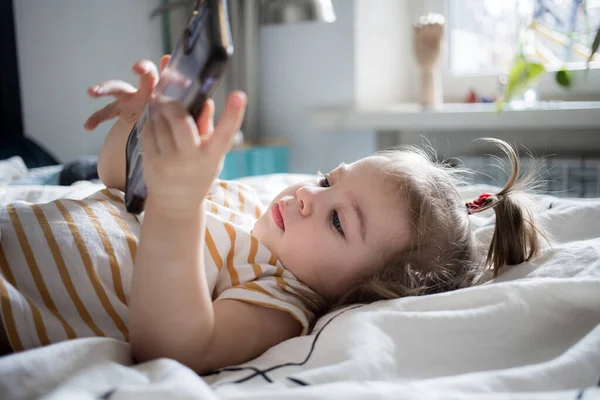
229	123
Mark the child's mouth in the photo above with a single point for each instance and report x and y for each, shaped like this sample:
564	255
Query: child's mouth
277	216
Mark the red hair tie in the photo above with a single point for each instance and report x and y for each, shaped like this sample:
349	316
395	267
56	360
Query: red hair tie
482	201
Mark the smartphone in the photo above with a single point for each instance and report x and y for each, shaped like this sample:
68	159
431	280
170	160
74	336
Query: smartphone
196	66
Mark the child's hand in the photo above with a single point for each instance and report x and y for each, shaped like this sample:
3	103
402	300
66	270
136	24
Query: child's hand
130	101
183	157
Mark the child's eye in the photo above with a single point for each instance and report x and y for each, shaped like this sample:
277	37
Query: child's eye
335	222
335	218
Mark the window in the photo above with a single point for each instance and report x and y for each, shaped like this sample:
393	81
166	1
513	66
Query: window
483	35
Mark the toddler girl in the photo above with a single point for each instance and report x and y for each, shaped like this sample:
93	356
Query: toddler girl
207	277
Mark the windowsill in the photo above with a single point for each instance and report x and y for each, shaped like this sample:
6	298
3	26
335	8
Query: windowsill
461	117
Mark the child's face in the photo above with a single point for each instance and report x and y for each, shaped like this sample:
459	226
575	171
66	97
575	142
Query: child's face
332	231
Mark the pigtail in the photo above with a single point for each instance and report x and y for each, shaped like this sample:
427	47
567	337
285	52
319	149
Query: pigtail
516	237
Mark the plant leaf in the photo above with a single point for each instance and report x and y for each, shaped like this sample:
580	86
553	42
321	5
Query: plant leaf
563	77
521	77
595	46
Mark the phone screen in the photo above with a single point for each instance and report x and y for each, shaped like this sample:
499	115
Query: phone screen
186	78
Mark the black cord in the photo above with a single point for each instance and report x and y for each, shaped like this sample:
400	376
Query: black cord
236	369
298	381
312	347
107	395
263	373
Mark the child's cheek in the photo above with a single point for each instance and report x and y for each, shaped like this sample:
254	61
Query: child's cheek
305	235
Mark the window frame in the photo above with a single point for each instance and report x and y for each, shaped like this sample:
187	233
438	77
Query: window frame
456	86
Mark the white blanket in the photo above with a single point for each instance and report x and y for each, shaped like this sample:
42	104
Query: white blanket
532	333
11	169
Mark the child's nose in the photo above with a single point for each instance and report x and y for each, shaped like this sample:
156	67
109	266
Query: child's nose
305	200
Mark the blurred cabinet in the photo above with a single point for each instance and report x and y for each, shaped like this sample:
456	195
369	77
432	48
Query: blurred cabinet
268	157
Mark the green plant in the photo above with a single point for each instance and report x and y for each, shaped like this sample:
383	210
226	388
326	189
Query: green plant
525	72
595	45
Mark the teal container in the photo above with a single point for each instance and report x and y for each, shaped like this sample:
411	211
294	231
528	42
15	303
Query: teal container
255	160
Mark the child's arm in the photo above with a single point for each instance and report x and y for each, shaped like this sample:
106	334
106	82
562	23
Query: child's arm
111	163
127	108
171	311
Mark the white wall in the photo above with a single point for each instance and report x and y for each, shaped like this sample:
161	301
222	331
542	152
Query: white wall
63	47
385	66
303	67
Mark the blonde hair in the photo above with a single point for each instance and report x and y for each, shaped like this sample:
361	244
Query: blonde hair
443	254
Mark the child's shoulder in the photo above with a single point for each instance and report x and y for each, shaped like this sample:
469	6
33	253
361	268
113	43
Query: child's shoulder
228	197
232	187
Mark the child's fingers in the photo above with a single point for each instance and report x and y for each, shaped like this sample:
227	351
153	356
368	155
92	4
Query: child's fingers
229	123
182	125
120	90
148	77
105	114
164	135
205	121
175	78
164	60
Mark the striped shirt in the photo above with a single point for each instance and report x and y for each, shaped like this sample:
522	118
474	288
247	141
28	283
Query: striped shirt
66	266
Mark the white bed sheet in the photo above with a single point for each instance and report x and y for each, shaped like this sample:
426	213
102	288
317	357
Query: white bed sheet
532	333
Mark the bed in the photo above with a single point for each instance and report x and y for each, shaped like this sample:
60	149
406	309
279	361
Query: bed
534	332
